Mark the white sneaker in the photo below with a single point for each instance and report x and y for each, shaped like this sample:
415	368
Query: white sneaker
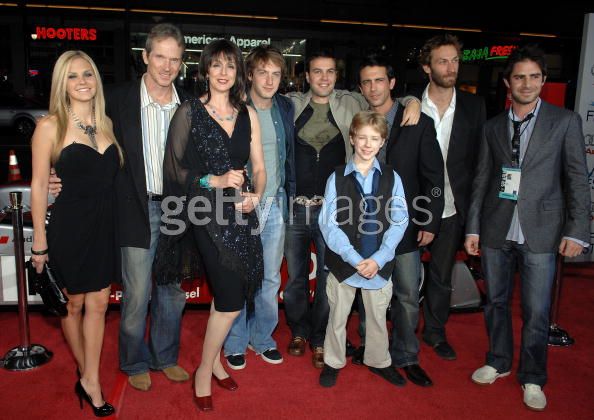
487	375
534	398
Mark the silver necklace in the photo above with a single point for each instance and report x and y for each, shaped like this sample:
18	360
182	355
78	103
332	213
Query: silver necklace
221	118
89	130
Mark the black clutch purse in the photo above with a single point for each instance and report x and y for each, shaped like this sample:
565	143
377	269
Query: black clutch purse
48	287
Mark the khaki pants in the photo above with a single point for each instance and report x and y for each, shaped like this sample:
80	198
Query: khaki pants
340	299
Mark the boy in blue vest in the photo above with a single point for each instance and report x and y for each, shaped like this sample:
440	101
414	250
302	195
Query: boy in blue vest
363	218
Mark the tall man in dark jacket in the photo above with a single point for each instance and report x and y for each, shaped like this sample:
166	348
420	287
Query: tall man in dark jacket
414	154
458	117
141	111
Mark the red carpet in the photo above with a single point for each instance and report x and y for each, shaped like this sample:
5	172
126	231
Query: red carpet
291	390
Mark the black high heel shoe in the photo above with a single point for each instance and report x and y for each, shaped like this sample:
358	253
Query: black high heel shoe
105	410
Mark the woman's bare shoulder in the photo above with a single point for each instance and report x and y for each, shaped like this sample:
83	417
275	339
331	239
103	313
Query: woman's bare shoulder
46	130
49	122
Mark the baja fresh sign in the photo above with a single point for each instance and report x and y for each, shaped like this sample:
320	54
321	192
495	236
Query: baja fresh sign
241	42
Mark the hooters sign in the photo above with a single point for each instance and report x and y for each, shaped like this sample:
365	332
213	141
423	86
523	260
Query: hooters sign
70	33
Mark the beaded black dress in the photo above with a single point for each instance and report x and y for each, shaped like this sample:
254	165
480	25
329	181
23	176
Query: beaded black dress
203	232
81	235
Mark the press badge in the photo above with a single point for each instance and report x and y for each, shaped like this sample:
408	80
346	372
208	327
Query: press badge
510	183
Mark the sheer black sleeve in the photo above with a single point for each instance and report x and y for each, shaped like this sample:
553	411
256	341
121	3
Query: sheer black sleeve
177	258
178	174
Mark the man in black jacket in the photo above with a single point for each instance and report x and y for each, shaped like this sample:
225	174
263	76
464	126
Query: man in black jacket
458	118
414	154
141	111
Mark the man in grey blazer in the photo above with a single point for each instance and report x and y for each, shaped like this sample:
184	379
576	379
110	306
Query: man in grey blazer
530	201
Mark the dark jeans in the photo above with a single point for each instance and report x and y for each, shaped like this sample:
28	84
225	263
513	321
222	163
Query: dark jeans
305	320
537	272
404	346
438	285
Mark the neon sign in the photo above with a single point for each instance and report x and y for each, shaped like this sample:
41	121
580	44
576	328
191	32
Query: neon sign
71	34
495	52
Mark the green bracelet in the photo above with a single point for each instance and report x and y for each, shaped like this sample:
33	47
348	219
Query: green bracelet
205	182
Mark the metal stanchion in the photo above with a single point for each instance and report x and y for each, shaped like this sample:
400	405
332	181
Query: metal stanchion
557	335
26	356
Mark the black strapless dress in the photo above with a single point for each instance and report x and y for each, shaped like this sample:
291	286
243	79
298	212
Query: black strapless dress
83	249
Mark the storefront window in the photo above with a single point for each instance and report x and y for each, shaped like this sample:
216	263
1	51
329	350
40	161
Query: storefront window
293	50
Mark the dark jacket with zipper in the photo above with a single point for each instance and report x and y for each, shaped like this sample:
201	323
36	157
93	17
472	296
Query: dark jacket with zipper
312	167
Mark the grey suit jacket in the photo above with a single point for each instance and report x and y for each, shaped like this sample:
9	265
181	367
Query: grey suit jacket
554	197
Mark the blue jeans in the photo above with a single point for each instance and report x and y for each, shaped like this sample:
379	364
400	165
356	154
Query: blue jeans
257	328
305	320
537	272
167	305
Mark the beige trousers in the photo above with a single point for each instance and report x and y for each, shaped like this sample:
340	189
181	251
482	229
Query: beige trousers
340	299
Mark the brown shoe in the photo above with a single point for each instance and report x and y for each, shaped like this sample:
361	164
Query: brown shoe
318	357
176	373
297	346
141	382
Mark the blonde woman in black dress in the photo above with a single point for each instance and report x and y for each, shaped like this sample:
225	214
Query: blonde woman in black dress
77	139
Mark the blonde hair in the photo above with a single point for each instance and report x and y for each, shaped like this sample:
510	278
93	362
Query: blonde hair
59	102
372	119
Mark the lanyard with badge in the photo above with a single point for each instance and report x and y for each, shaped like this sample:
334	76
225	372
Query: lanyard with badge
511	175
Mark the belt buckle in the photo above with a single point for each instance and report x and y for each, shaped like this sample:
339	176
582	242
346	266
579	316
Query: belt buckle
309	202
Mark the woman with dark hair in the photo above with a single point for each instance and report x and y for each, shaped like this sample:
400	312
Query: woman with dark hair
210	141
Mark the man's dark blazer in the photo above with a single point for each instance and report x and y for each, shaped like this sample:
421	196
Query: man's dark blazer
465	137
414	154
123	107
554	197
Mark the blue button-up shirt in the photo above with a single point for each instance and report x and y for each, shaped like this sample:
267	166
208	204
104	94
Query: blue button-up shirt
338	241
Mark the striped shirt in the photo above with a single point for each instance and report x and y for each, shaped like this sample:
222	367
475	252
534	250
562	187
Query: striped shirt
155	119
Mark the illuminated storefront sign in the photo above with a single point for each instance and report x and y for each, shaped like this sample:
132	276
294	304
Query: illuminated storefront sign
495	52
237	40
71	34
